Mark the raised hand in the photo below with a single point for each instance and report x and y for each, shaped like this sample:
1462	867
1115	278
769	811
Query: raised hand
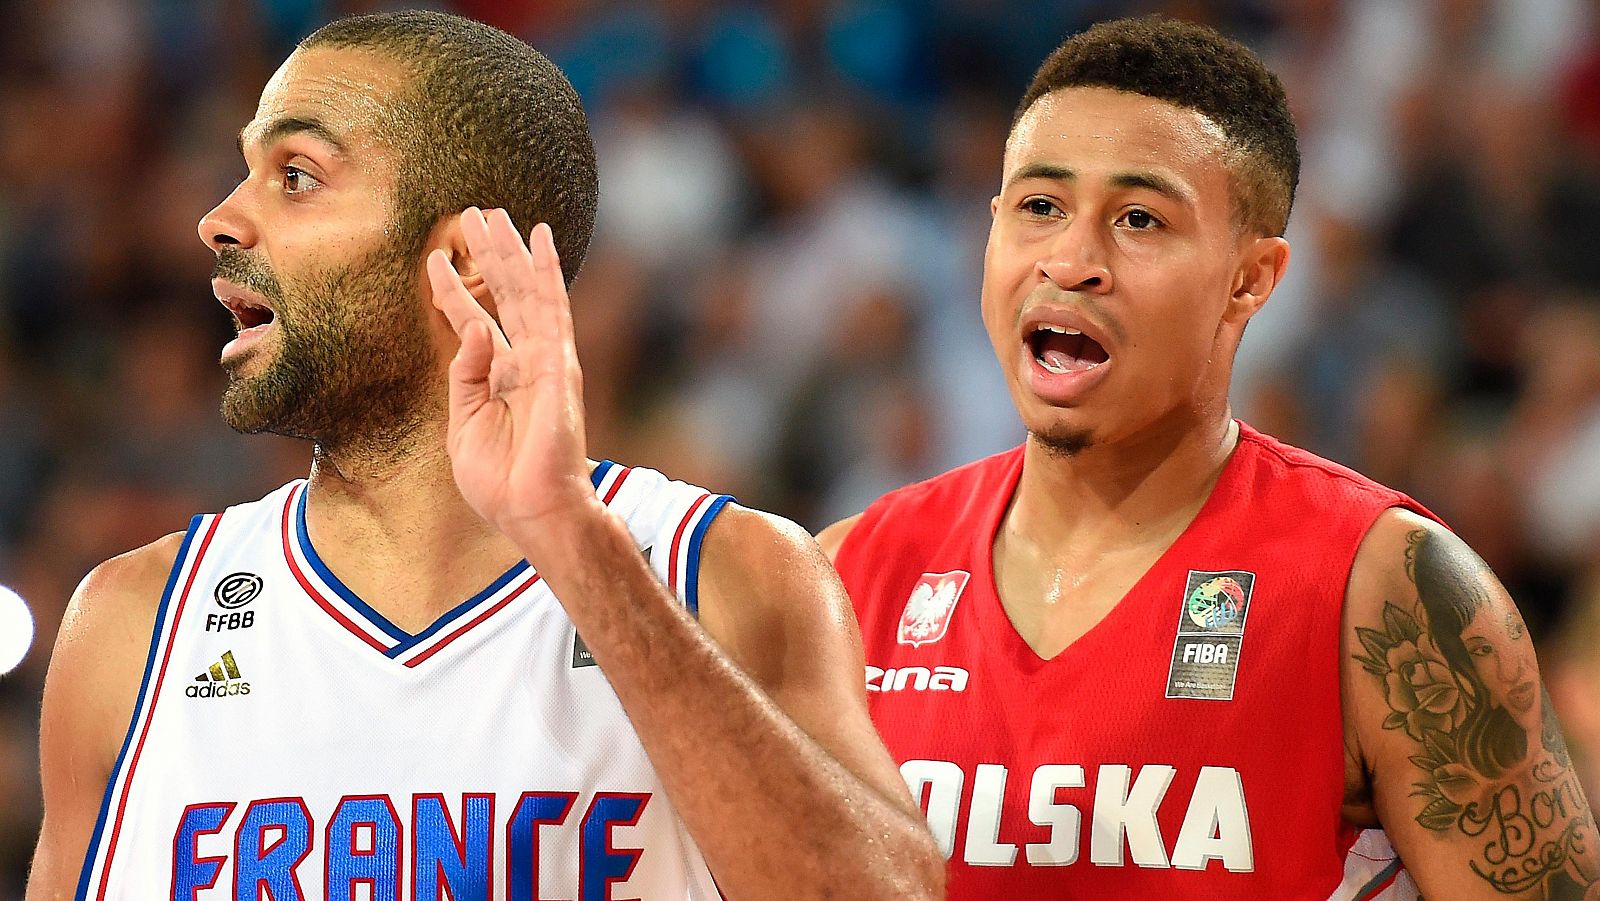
516	435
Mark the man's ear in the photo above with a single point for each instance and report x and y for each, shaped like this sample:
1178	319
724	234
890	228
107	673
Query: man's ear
1261	268
446	235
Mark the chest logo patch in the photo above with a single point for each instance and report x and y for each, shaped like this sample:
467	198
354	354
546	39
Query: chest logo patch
236	590
932	603
1216	603
1205	655
221	679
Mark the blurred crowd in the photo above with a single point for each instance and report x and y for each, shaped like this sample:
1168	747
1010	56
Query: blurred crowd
782	298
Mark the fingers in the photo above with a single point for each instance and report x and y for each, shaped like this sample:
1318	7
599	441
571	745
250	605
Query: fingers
525	279
459	306
507	271
542	246
469	371
551	312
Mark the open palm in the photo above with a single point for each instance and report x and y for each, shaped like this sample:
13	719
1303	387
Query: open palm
516	435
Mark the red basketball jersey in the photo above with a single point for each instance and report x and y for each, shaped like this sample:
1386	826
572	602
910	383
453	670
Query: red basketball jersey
1187	746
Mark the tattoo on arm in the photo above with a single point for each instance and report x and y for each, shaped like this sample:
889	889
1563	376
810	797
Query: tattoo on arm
1459	677
1413	538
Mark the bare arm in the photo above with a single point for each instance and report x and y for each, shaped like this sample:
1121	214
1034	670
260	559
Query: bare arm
89	695
1447	720
774	604
787	798
762	731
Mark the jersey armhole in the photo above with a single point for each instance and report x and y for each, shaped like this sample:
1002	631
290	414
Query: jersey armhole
164	625
681	538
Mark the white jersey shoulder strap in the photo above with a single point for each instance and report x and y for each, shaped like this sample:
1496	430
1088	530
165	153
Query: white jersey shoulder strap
668	520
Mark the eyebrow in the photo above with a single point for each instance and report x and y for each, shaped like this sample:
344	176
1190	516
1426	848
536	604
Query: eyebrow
284	126
1149	181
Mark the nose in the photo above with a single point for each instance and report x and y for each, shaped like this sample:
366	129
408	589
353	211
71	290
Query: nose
1517	665
228	224
1077	259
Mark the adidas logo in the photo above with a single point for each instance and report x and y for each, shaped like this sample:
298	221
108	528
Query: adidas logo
220	680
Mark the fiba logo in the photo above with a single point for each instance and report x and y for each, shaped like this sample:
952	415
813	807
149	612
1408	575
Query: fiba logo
1217	603
237	590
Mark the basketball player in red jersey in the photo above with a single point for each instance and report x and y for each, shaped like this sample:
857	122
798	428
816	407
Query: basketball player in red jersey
1153	653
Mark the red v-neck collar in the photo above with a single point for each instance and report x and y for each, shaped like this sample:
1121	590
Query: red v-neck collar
1001	632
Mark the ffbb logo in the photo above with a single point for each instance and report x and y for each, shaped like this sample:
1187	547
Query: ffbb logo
222	679
237	590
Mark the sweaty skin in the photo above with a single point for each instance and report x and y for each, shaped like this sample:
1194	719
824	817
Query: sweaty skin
494	470
516	442
1472	781
1115	219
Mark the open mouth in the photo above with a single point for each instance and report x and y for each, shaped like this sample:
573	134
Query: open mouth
1523	696
1059	349
253	319
248	314
249	309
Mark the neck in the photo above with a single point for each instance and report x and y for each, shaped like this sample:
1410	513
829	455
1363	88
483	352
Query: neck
1131	486
379	517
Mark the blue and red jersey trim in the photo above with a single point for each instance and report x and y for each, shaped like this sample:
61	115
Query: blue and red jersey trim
161	641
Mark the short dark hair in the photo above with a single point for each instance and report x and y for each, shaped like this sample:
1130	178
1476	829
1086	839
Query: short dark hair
1196	68
485	121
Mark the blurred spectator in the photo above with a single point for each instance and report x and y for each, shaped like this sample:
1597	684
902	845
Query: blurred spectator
673	184
1370	311
1574	676
857	426
1555	429
971	415
22	453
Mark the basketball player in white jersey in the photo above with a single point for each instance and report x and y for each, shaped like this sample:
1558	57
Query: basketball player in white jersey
460	660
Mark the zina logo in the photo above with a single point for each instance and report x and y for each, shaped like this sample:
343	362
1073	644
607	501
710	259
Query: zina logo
917	678
221	680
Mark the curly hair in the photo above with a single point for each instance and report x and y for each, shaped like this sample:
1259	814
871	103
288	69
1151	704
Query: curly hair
1193	67
484	120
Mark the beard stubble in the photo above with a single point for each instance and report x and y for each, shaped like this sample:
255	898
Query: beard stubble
353	369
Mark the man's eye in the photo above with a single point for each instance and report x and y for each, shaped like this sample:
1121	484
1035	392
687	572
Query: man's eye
1140	220
1038	206
298	181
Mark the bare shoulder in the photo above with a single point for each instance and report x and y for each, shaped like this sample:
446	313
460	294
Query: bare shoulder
1446	716
104	639
762	575
771	599
769	596
90	691
1386	560
125	590
832	538
743	535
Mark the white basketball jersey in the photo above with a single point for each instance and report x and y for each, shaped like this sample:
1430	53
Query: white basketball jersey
290	743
